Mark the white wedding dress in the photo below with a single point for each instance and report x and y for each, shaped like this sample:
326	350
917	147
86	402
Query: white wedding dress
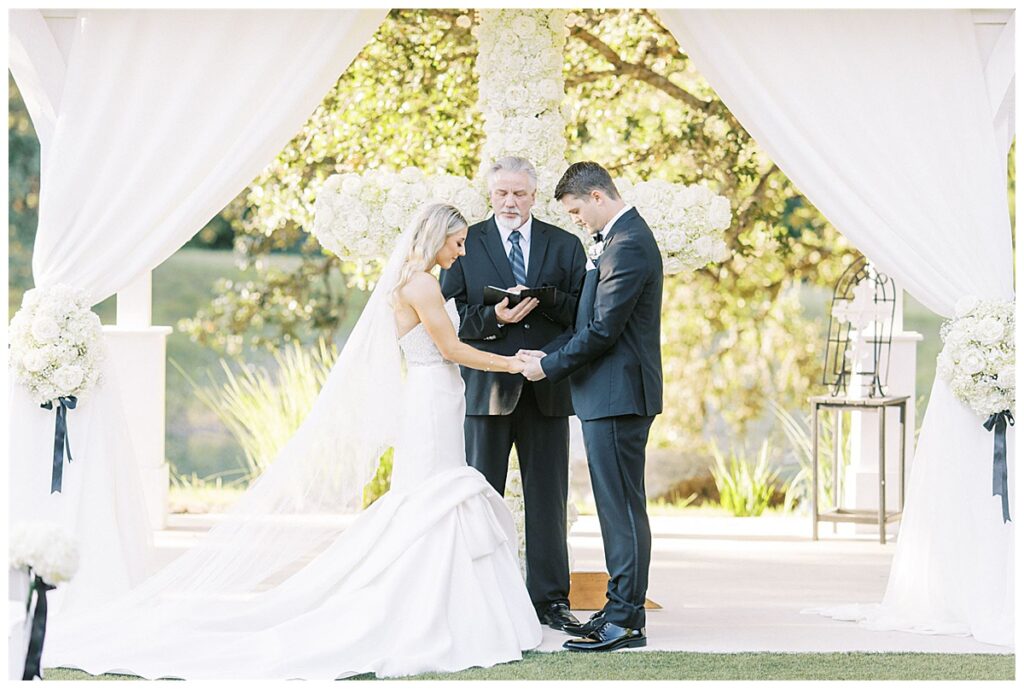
425	580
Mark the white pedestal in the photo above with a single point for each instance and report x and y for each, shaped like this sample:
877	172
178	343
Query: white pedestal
861	484
140	356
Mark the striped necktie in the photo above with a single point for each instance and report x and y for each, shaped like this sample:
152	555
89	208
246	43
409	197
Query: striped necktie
515	257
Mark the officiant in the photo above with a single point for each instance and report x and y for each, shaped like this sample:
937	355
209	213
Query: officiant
514	251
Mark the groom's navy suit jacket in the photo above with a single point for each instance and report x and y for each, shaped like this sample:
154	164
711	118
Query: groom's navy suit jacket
557	258
613	358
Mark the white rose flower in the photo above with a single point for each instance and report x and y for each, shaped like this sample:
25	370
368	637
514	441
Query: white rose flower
720	214
944	366
45	328
332	184
1007	378
48	549
412	175
34	361
351	184
672	265
720	252
965	305
393	215
989	331
68	378
524	26
973	361
704	246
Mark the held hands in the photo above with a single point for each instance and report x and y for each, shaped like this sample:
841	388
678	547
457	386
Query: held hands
531	363
517	313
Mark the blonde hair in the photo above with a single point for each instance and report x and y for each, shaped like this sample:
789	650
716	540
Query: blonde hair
431	229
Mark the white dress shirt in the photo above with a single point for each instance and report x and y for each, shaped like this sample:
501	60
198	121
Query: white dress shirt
611	223
524	241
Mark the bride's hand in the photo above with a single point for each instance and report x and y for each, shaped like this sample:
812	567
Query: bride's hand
515	365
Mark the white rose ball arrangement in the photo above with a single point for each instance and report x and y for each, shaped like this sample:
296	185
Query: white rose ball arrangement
688	221
978	355
55	343
359	217
47	549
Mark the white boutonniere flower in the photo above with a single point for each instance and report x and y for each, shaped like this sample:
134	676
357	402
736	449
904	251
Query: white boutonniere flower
595	250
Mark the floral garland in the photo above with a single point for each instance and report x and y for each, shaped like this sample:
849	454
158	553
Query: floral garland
522	89
977	358
358	217
688	221
56	345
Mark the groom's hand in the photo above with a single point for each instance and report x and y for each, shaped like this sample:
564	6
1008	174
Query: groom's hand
527	354
531	364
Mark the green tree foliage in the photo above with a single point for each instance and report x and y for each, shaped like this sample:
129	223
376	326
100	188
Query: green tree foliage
23	193
733	335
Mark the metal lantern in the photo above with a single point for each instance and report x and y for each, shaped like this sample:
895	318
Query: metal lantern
862	312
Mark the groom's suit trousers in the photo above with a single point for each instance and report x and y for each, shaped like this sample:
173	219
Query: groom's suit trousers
616	455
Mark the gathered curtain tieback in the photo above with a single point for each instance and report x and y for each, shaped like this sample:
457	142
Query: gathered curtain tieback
35	645
1000	487
61	443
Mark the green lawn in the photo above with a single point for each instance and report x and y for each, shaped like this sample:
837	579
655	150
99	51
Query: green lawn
662	665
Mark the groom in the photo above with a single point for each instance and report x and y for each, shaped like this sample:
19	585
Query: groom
511	250
613	362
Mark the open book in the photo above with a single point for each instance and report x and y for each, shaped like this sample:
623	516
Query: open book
493	295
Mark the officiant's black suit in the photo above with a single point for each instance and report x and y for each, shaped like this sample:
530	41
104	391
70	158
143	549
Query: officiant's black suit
504	408
613	362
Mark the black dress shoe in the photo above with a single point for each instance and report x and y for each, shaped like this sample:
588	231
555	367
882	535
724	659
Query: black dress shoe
557	616
588	627
608	637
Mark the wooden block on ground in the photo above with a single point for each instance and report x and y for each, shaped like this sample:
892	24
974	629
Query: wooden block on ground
587	591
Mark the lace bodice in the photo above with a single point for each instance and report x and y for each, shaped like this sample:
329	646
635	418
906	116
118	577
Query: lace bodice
419	349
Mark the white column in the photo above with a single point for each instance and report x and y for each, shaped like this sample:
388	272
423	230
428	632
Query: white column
861	484
140	350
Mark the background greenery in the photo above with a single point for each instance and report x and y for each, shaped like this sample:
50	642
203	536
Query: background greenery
736	336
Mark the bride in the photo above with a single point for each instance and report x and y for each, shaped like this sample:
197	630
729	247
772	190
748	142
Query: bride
285	586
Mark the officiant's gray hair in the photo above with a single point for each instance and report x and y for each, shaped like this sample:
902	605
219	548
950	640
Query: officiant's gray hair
512	164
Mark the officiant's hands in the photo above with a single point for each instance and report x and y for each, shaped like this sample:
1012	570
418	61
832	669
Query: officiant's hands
518	312
531	363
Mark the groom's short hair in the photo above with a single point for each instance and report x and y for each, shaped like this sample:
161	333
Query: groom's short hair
582	178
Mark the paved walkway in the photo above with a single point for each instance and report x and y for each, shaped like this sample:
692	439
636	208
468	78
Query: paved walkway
731	585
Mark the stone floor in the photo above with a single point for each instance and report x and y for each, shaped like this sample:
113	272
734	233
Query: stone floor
732	585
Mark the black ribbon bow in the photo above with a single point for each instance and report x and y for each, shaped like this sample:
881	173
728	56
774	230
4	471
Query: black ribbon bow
998	421
61	444
38	633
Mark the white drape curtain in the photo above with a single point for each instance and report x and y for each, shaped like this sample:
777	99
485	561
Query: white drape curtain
152	124
883	119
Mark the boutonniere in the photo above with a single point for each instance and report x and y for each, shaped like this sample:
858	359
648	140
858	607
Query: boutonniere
595	249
